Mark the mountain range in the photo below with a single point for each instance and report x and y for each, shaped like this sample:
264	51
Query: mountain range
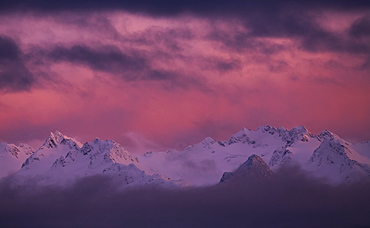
247	155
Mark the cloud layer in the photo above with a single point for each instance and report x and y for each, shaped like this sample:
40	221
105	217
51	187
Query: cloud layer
290	200
175	73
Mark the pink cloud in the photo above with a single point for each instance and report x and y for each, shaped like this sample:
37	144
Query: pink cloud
173	83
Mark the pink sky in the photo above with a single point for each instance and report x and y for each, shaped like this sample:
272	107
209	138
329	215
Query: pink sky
155	82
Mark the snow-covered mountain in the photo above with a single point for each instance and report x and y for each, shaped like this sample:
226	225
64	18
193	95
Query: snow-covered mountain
62	160
253	169
12	157
204	163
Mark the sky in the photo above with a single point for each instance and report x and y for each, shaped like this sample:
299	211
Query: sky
157	75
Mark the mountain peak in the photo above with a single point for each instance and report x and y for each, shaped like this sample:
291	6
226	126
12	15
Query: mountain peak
326	134
243	132
253	160
240	136
208	140
57	138
110	150
298	134
254	168
336	159
267	128
53	140
299	129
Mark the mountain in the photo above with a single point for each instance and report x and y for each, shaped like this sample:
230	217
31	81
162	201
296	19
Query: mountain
204	163
12	157
61	160
253	169
338	161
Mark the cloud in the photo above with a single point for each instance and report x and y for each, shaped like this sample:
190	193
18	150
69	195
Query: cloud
106	58
290	200
164	7
179	72
361	27
227	65
14	74
241	40
131	65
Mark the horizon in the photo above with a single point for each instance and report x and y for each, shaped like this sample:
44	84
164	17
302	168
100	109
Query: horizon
139	150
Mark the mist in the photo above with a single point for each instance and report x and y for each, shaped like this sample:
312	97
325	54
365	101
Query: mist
290	199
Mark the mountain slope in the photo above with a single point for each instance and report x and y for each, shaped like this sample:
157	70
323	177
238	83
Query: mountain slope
336	161
204	163
253	169
62	160
12	157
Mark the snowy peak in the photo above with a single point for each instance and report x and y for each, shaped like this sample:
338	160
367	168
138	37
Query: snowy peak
55	139
267	128
268	135
300	133
55	145
294	135
207	143
243	157
333	159
15	151
110	150
241	136
254	168
253	162
299	130
61	161
325	134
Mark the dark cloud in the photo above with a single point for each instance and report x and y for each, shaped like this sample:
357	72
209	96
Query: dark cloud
165	38
9	49
290	200
226	65
278	66
361	28
106	58
166	7
299	25
321	41
266	18
14	74
242	41
130	66
97	24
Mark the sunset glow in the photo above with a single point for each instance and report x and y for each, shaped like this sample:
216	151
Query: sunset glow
171	78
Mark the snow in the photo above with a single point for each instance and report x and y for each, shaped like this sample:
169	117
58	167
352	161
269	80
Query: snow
362	152
12	157
302	151
204	163
254	168
61	160
334	161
